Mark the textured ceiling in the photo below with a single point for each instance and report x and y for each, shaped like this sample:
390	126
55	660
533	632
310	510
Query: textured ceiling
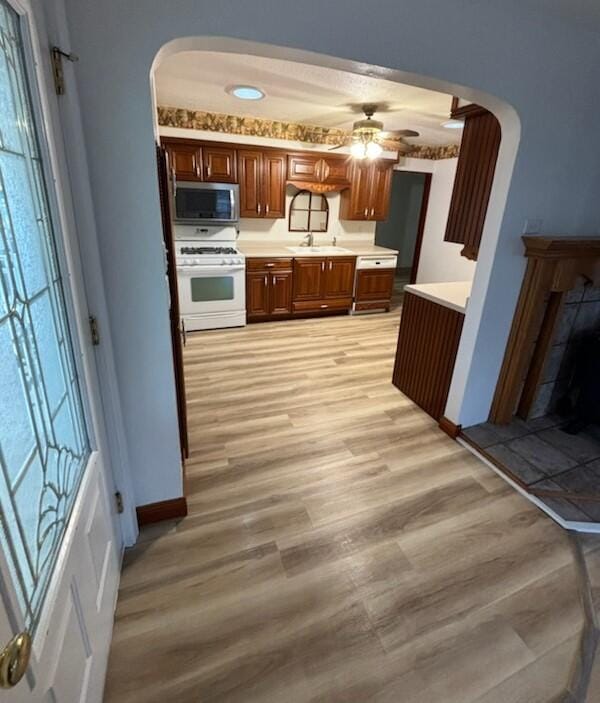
299	93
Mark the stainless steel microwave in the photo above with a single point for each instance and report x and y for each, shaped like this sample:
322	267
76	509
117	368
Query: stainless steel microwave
206	203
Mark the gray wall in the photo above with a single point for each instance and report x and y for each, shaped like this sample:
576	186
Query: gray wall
399	231
517	58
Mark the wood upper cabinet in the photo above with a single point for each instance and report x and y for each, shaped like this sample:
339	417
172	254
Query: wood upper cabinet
219	164
273	184
473	181
380	190
309	275
262	183
339	278
185	160
369	195
316	168
303	167
250	175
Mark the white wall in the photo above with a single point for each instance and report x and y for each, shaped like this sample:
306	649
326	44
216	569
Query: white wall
440	260
501	54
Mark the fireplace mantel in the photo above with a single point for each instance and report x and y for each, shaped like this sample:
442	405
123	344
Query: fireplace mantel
555	264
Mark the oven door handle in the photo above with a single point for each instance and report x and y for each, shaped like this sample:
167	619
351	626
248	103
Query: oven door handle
199	270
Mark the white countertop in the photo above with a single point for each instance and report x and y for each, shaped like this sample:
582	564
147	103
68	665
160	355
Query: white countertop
453	295
277	249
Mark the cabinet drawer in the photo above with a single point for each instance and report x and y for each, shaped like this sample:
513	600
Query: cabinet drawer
268	264
333	304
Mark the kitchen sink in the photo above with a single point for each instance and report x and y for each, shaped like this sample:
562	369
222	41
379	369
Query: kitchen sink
319	250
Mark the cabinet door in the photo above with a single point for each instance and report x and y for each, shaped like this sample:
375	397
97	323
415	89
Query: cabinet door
273	181
257	294
250	175
339	277
380	190
374	284
281	293
303	167
356	202
309	274
185	160
219	164
335	170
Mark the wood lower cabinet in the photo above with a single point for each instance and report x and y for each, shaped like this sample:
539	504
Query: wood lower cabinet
323	284
268	289
374	289
427	346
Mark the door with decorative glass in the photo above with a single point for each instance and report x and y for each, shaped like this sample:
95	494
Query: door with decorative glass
59	544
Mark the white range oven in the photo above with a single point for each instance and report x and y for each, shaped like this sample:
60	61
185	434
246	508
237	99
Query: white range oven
211	278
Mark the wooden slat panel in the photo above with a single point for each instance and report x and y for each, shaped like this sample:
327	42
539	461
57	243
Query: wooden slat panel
473	182
427	346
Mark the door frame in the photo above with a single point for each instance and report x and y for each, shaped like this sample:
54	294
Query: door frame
421	226
60	120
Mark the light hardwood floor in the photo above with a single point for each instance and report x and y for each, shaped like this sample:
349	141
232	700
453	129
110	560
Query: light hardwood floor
339	546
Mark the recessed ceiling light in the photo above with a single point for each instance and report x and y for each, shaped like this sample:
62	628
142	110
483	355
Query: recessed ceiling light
246	92
453	124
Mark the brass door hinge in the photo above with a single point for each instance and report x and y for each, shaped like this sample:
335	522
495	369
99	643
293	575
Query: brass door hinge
119	502
56	56
94	332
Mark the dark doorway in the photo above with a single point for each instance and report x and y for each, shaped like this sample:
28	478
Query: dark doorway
403	230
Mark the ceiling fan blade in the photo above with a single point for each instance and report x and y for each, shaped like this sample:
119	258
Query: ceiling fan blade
395	145
395	133
337	146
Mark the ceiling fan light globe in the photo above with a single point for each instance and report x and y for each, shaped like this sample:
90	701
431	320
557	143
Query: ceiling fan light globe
373	150
358	150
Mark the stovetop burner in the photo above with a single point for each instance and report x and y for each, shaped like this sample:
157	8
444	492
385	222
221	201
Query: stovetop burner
208	250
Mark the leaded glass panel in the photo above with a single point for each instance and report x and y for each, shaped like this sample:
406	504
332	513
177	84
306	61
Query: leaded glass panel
44	445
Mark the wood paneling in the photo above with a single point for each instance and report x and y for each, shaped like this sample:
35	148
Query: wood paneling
220	164
163	510
473	182
427	346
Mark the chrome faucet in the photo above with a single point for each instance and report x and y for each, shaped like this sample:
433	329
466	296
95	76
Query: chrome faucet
311	240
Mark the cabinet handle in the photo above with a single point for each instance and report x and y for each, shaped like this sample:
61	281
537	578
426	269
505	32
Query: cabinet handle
372	211
324	306
322	266
269	265
366	212
267	209
330	265
266	280
258	208
208	171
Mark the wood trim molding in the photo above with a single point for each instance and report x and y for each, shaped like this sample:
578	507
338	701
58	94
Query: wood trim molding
163	510
553	266
449	427
414	269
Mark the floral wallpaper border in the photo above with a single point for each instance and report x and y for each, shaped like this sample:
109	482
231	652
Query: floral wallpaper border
274	129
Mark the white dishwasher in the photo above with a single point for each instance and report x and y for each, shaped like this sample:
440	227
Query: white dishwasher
374	282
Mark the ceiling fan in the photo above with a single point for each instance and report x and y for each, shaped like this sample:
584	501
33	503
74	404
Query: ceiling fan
369	140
